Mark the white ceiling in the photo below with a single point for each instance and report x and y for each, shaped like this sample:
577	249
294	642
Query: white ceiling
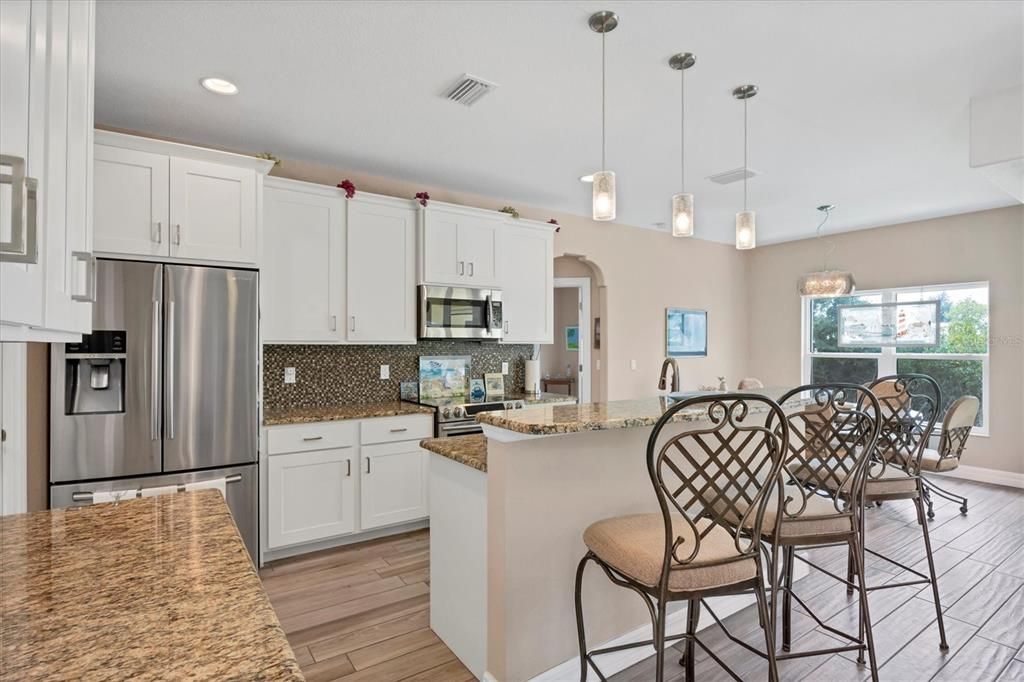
862	104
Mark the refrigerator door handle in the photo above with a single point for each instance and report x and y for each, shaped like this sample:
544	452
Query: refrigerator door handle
170	369
154	408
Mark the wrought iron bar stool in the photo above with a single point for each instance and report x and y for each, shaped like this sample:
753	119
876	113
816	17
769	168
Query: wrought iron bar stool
830	442
908	410
726	467
956	428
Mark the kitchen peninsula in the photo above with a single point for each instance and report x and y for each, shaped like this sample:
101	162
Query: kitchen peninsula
142	589
506	533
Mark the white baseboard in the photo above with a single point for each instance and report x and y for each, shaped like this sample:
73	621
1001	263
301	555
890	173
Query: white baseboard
983	475
294	550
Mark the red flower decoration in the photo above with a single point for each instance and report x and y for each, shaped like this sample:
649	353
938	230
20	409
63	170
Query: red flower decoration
423	198
350	189
552	221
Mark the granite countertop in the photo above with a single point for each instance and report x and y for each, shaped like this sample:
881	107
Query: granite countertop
618	414
541	398
143	589
468	450
332	413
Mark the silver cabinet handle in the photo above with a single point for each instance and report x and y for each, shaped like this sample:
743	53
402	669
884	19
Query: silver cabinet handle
471	268
90	263
462	267
159	232
154	408
170	370
353	326
348	473
367	465
309	438
334	323
400	430
506	326
23	246
177	234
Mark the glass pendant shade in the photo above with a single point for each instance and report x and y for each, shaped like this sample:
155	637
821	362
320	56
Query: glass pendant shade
604	195
827	283
682	215
746	230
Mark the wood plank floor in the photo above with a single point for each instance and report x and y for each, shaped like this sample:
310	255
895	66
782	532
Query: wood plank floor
362	612
980	561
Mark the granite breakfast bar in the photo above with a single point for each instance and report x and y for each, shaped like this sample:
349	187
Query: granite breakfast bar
145	589
516	532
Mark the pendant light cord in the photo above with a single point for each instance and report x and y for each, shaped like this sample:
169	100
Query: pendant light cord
745	154
603	166
831	244
682	131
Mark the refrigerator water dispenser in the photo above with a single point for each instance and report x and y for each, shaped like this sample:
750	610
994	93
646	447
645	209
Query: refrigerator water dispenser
94	376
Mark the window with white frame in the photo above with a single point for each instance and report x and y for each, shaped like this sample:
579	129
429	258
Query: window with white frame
959	363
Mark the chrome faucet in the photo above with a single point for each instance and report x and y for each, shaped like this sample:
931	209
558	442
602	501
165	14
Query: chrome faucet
675	374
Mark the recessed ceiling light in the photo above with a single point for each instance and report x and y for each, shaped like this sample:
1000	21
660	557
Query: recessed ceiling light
586	178
219	86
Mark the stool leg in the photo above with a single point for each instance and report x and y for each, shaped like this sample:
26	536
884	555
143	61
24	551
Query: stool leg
787	601
659	643
768	627
931	571
865	614
692	618
849	571
579	618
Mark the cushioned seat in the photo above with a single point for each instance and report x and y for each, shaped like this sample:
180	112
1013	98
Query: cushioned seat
932	461
819	517
635	546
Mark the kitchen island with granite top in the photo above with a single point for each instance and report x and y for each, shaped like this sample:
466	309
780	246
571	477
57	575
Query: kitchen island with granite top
507	551
145	589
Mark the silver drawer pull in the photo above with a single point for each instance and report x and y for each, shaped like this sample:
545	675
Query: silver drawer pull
309	438
367	465
90	263
24	245
348	462
399	430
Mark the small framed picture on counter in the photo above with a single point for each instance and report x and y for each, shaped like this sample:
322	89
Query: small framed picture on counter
495	383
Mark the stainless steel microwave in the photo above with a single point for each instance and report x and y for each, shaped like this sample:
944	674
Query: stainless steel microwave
460	313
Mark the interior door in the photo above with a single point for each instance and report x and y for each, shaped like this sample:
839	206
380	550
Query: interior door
210	367
213	211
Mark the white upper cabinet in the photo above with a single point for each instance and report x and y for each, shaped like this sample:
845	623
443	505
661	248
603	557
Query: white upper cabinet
170	201
527	271
46	104
130	201
213	211
303	273
381	264
459	246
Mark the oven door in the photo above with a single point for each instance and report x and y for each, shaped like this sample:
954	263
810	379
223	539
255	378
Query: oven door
459	313
456	429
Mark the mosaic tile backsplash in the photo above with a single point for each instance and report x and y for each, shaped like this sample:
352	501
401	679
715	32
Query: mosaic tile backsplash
337	375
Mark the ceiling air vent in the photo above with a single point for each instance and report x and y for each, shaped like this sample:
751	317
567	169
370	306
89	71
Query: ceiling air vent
734	175
468	90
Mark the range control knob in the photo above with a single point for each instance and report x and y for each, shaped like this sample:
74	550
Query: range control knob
460	412
518	405
508	405
446	412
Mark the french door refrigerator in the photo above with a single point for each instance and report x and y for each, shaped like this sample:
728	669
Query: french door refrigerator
164	391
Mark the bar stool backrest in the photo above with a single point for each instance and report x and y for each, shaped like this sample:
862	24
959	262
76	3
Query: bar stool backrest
830	442
711	474
908	410
957	425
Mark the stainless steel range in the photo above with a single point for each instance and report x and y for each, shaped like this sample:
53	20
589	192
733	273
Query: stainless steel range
457	416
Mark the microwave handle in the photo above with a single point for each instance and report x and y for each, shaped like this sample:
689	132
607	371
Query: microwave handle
490	312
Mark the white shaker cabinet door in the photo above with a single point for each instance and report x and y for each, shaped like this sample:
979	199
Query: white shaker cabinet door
393	482
381	287
130	202
478	249
311	496
212	211
303	265
527	271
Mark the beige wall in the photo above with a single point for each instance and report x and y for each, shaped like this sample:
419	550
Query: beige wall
964	248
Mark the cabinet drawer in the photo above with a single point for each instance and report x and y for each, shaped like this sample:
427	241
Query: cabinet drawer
318	436
392	429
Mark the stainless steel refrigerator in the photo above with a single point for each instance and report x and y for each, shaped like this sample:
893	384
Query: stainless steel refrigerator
164	391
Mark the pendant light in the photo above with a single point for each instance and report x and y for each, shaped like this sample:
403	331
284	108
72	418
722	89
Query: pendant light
604	180
746	229
826	282
682	203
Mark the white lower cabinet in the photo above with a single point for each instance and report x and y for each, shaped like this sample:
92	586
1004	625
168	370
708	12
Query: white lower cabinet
330	479
312	495
394	484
